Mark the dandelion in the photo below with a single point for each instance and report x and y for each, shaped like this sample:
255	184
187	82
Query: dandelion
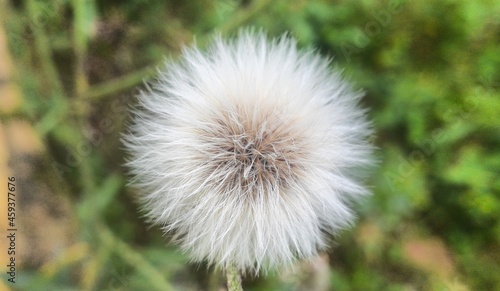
249	153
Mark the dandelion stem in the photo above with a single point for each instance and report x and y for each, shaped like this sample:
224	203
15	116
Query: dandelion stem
233	278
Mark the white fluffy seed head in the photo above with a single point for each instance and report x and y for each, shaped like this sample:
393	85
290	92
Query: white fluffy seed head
250	152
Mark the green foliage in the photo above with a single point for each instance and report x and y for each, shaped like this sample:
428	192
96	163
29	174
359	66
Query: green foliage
431	73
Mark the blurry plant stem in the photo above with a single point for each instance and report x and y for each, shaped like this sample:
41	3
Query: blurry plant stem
133	258
130	80
121	83
57	101
233	278
93	267
44	53
68	256
81	26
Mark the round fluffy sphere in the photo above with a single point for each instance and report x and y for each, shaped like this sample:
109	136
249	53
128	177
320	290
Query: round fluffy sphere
249	153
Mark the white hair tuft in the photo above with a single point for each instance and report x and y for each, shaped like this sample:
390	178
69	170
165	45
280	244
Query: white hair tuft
249	152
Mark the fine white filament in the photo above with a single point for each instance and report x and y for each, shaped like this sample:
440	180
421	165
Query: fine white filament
250	152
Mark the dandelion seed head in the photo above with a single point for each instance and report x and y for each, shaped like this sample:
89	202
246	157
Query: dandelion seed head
249	153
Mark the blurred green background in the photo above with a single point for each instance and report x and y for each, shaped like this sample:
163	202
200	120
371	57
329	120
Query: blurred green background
430	70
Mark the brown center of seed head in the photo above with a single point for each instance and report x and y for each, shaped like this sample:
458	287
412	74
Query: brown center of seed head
256	155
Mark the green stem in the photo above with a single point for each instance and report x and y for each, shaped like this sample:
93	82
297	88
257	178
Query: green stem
50	76
130	80
121	83
82	21
135	259
42	45
233	278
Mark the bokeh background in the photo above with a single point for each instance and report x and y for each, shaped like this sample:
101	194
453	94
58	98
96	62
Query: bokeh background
430	70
